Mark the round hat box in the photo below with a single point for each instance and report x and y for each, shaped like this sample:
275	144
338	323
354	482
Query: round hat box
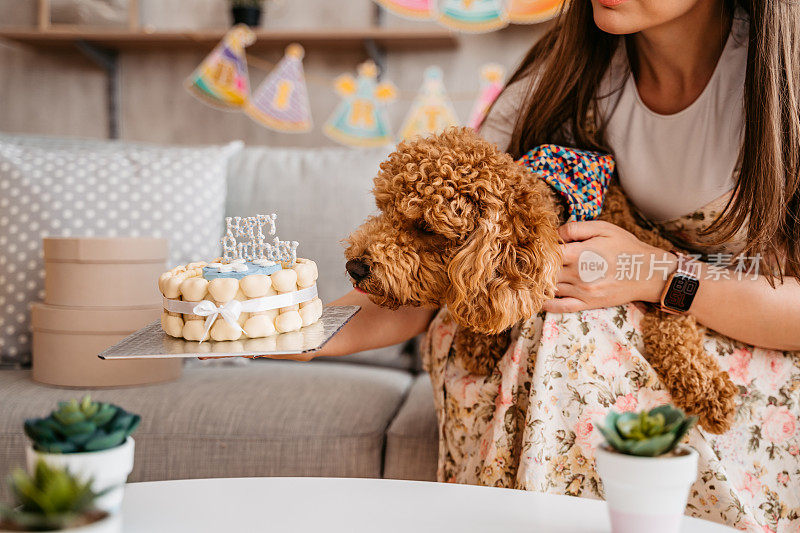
66	341
103	272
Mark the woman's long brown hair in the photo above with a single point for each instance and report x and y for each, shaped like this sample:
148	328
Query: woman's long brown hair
564	70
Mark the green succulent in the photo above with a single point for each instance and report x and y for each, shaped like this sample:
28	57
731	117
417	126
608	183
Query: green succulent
81	426
647	434
50	499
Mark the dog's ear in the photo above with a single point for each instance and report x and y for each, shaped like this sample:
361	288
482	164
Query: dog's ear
506	269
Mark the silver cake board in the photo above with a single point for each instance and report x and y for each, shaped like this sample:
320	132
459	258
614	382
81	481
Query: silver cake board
151	342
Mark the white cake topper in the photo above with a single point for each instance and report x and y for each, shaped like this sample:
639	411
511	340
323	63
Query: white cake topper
255	247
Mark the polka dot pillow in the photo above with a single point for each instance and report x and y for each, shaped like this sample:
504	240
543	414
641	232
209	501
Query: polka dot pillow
63	187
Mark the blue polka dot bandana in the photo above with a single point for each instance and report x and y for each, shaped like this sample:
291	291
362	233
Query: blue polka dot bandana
580	176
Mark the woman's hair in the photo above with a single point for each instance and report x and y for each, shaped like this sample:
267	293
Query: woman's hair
564	70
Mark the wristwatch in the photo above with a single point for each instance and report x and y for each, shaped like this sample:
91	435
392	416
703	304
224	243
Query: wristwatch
682	286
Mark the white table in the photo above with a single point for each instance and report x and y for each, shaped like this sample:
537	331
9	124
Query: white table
326	505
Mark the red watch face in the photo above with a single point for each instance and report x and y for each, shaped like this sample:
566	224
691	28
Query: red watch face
681	292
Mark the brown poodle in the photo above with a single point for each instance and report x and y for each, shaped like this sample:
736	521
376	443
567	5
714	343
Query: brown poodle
462	225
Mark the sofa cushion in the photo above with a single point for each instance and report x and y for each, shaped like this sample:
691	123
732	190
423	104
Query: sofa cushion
412	441
69	187
320	196
268	418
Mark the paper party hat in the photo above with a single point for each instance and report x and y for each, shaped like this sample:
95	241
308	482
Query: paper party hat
360	119
431	111
492	76
221	79
281	101
532	11
412	9
472	15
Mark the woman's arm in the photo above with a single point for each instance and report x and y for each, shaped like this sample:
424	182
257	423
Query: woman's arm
748	310
375	327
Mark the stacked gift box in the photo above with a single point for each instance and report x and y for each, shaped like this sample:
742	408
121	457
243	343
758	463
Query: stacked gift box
97	291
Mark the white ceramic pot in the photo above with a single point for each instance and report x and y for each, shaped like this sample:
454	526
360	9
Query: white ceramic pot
110	524
108	468
646	493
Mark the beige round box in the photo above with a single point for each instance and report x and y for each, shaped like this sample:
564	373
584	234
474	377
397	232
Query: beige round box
103	272
66	341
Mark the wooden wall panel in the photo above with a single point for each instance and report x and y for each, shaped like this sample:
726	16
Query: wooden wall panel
65	94
157	108
51	94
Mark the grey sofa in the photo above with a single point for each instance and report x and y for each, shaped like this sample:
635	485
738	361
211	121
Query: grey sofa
363	415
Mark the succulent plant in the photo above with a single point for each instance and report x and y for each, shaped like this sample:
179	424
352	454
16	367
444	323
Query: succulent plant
50	499
647	434
84	426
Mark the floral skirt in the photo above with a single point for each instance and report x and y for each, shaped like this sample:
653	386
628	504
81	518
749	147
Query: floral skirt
530	424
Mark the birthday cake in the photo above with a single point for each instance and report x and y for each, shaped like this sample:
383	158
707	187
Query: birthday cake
255	289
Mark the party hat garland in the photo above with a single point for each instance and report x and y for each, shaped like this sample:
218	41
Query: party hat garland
411	9
361	118
532	11
475	16
431	111
221	79
281	101
492	76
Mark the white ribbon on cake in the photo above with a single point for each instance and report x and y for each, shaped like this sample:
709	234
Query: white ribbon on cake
231	311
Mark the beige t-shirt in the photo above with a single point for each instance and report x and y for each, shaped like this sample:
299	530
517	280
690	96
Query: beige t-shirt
669	165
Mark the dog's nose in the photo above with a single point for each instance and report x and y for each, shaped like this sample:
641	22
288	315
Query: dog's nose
357	269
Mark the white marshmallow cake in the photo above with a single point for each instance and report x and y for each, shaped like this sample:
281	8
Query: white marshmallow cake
220	283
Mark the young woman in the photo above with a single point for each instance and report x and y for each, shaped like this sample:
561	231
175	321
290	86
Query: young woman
699	101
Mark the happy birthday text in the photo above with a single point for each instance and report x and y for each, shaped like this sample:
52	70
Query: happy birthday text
254	245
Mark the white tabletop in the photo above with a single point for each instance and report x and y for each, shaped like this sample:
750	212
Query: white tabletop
353	505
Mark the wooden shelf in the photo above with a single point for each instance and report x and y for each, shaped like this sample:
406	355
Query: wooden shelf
125	40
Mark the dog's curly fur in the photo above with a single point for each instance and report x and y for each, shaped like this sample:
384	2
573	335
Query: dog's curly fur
462	225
